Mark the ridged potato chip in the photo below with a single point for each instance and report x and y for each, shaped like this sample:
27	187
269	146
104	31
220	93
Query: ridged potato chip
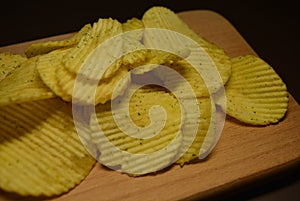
9	62
134	52
164	18
85	88
41	154
255	94
47	66
46	47
206	133
101	31
24	84
201	87
152	148
134	24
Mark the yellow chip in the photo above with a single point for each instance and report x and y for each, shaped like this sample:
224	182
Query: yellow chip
9	62
134	52
101	31
48	46
24	84
255	93
65	82
85	88
164	18
198	70
190	75
138	54
47	66
41	154
139	143
206	136
135	26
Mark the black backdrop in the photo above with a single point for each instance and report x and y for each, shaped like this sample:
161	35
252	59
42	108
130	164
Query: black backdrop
270	27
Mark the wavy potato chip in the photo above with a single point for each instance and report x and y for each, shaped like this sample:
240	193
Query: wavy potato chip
101	31
41	154
86	89
46	47
255	93
24	84
9	62
135	26
164	18
47	66
202	86
135	53
206	136
141	145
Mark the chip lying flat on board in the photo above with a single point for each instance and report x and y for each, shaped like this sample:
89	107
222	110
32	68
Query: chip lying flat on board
255	93
41	154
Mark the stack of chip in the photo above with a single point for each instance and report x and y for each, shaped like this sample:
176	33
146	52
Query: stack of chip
135	128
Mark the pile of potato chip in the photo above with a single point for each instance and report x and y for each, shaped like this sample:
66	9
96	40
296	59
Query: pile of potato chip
41	153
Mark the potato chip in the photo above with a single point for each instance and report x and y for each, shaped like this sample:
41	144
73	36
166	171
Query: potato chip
134	24
9	62
24	84
85	88
206	135
47	66
191	75
46	47
164	18
101	31
139	145
255	93
134	52
138	54
41	154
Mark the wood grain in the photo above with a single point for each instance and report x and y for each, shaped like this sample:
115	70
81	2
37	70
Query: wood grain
243	154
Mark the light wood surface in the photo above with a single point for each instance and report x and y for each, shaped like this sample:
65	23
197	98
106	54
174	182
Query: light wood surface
243	154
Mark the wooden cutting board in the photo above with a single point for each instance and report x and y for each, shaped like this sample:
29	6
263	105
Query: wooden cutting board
243	155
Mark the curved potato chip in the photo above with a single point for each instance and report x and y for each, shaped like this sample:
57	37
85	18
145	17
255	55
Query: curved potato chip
164	18
47	66
85	88
101	31
9	62
198	70
255	93
206	134
46	47
24	84
152	148
134	24
135	53
41	154
139	55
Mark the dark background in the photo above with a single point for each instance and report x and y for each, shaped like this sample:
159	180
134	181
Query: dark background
270	27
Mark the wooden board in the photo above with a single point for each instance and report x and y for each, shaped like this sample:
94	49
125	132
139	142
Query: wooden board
243	155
